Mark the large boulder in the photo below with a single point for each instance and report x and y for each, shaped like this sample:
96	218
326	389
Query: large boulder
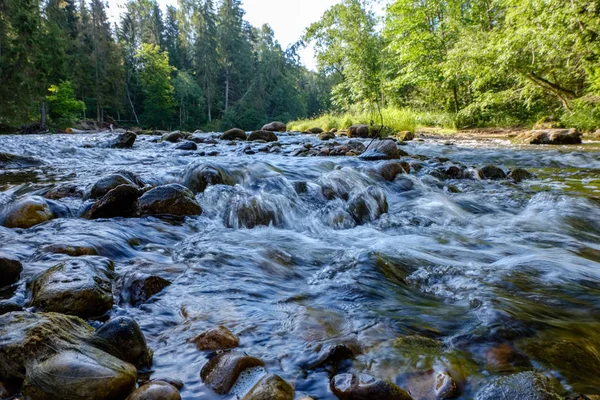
275	126
520	174
121	201
123	338
381	150
360	131
267	136
108	183
10	270
550	136
492	172
365	387
173	199
155	391
405	135
390	170
79	286
123	141
270	387
234	134
522	386
216	338
198	176
14	161
187	145
26	212
172	137
222	371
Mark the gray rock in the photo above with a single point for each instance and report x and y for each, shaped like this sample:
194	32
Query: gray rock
108	183
121	201
198	176
492	172
275	126
550	136
122	337
123	141
187	145
139	287
522	386
381	150
365	387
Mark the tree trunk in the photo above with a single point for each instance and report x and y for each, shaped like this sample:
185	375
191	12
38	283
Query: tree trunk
43	111
226	90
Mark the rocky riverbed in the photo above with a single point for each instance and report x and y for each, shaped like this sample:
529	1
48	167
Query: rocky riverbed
281	265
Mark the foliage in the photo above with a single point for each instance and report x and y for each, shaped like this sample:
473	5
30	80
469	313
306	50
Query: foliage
64	107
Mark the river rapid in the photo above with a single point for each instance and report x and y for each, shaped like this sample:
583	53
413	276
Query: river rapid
499	276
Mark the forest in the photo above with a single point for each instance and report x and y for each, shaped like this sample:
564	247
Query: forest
449	63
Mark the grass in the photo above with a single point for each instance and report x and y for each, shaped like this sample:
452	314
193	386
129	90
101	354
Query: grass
398	119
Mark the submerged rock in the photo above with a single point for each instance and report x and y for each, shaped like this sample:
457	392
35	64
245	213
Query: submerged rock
172	199
275	126
432	384
331	356
520	174
234	134
14	161
221	371
26	212
365	387
63	190
550	136
155	391
246	211
267	136
492	172
123	338
523	386
390	170
216	338
10	270
121	201
271	387
367	205
138	287
198	176
123	141
80	286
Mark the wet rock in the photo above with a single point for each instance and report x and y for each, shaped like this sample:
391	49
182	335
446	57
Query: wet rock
432	384
74	375
315	130
390	170
267	136
80	286
357	146
332	356
155	391
64	190
234	134
108	183
26	212
523	386
122	337
406	136
365	387
121	201
221	371
138	287
123	141
327	136
173	382
504	357
275	126
198	176
216	338
550	136
14	161
361	131
271	387
520	174
172	137
493	172
246	211
7	306
300	187
10	388
454	172
337	218
367	205
73	251
10	270
381	150
187	145
173	199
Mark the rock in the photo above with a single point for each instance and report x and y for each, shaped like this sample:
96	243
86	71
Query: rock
390	170
73	251
271	387
246	211
80	286
523	386
121	201
64	190
221	371
520	174
7	306
381	150
198	176
361	131
275	127
187	145
216	338
454	172
365	387
550	136
123	141
138	287
432	384
367	205
108	183
332	356
10	388
77	376
327	136
173	199
26	212
493	172
314	130
504	357
10	270
155	391
122	337
267	136
14	161
235	134
173	382
172	137
406	136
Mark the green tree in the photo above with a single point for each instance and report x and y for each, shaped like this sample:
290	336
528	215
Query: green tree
155	76
64	107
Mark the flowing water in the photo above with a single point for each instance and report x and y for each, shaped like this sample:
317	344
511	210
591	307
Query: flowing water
474	264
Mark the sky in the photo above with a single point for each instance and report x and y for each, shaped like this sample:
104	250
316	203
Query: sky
287	18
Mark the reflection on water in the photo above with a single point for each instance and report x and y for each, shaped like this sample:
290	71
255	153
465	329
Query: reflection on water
471	270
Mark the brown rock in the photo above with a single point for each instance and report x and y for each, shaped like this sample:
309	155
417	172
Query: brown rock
27	212
271	387
361	131
155	391
234	134
275	127
216	338
365	387
221	371
432	384
119	202
267	136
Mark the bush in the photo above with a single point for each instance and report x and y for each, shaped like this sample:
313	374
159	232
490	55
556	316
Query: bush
585	114
64	108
